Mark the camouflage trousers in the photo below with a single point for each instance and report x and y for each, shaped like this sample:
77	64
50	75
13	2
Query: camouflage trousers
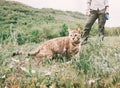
94	15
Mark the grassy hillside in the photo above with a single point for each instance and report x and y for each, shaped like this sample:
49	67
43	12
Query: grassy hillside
23	28
24	22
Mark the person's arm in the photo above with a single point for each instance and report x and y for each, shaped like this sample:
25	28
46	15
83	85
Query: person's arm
88	8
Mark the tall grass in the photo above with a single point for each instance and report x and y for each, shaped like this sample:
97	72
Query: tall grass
25	27
97	67
99	63
114	31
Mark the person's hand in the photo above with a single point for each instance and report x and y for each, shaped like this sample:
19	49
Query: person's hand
107	10
88	9
87	13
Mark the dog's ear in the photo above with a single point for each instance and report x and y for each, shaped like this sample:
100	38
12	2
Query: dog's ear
79	30
69	30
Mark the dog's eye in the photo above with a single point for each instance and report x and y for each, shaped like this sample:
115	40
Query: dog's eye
75	34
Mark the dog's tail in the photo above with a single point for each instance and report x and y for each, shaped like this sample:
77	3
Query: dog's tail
34	52
17	53
29	54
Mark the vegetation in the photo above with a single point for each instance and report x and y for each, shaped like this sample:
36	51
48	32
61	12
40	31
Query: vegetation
97	67
114	31
24	22
23	28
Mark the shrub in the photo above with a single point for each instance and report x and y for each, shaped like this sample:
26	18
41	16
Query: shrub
21	39
34	36
64	30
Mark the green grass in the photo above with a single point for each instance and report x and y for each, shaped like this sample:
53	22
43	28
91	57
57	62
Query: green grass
98	62
114	31
23	28
21	20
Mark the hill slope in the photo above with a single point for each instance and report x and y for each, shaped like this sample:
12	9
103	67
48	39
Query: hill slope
13	12
24	19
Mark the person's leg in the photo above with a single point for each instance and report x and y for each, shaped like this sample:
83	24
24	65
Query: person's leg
90	21
101	24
